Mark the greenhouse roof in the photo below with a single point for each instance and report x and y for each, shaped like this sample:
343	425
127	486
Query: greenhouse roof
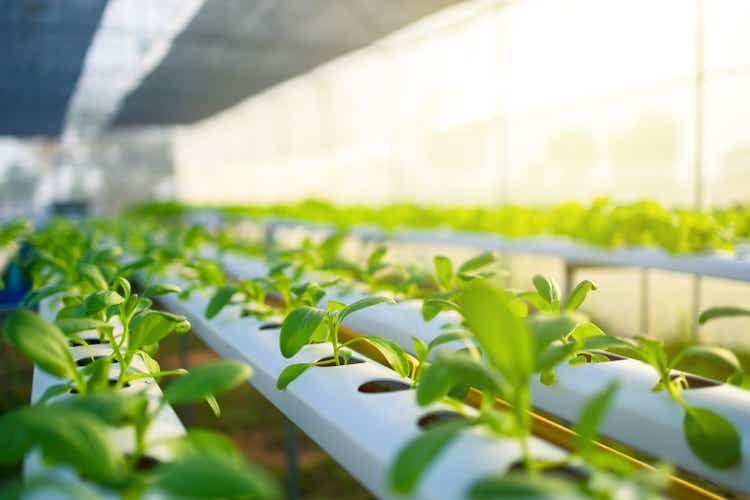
116	63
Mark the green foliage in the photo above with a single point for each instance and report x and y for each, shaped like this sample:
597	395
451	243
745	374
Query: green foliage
307	324
41	342
416	456
713	438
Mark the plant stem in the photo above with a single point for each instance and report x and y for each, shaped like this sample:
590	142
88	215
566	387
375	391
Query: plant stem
333	327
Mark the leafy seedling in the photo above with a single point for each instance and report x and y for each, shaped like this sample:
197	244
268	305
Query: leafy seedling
311	324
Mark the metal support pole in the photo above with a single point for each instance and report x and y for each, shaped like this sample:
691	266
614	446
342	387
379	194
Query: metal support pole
570	270
291	479
184	348
643	324
698	152
696	307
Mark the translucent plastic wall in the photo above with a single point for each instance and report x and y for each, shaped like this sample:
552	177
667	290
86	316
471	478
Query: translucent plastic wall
529	102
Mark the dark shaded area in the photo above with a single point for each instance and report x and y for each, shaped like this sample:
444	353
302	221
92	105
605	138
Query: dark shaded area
234	49
384	385
44	44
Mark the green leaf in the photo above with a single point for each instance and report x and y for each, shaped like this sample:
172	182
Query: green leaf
93	275
450	337
329	248
713	438
578	295
335	305
420	348
149	327
151	364
362	304
41	342
123	284
503	336
65	436
717	354
548	328
585	330
290	373
215	476
450	369
210	379
443	271
522	487
297	329
51	392
99	301
219	300
112	408
392	352
161	289
376	257
439	305
135	265
723	312
42	293
548	289
477	262
539	302
591	416
70	326
553	355
414	459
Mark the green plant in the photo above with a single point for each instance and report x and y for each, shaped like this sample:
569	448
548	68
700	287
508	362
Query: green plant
76	431
511	357
311	324
713	438
449	282
71	423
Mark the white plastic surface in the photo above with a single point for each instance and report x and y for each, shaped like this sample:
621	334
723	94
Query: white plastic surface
362	432
648	421
166	425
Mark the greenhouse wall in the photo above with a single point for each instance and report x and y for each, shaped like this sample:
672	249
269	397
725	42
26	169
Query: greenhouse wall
476	105
523	102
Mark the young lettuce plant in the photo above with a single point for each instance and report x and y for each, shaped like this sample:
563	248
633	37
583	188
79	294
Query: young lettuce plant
449	283
76	431
559	325
309	324
712	437
511	358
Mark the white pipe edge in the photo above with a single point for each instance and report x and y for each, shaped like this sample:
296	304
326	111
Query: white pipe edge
717	264
165	426
362	432
647	421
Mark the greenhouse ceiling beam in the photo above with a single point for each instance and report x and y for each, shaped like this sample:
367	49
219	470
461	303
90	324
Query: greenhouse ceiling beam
136	57
296	37
28	46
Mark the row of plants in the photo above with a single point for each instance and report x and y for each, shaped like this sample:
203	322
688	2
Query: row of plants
10	233
602	222
511	336
100	339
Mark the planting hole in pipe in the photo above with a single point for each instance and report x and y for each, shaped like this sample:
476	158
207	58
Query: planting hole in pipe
89	359
568	472
145	463
93	341
112	383
329	361
383	385
696	382
272	325
435	417
589	356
